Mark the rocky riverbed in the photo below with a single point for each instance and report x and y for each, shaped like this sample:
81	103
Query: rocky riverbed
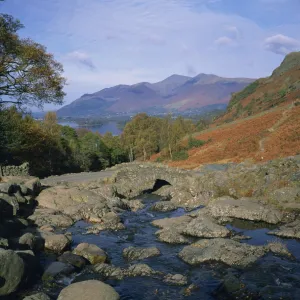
146	231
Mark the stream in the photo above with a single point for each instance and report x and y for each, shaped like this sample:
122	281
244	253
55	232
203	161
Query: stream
207	278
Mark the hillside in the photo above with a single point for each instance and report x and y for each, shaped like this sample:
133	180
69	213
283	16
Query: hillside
282	87
175	93
262	122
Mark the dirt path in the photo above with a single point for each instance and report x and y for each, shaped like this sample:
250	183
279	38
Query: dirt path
78	177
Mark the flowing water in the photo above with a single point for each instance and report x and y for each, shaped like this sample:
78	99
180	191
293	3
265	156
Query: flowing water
268	271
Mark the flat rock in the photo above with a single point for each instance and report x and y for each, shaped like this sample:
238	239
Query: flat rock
42	217
176	279
138	253
11	271
206	227
37	296
172	236
291	230
163	206
244	208
91	252
172	222
172	229
221	250
88	290
61	197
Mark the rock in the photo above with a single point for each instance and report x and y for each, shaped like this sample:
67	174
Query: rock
163	206
222	250
56	242
135	270
172	236
47	228
33	186
32	267
62	197
172	222
286	196
8	188
57	269
72	259
141	270
31	241
206	227
241	237
90	289
176	279
37	296
278	248
9	206
134	205
3	243
42	216
172	229
91	252
110	221
137	253
244	208
291	230
110	271
11	271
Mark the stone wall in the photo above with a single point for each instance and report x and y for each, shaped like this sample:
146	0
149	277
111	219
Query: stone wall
22	170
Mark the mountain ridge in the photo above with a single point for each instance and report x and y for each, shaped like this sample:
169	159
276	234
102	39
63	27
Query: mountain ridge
174	93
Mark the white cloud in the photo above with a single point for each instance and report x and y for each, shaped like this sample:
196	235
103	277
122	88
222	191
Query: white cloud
81	58
281	44
224	41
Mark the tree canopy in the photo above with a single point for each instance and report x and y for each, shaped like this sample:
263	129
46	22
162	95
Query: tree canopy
29	76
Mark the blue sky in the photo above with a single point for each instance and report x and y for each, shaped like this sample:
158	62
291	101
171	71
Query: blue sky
102	43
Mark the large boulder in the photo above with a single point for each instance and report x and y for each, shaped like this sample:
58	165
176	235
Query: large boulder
138	253
228	251
45	216
205	226
171	230
62	197
57	243
11	271
244	208
91	252
88	290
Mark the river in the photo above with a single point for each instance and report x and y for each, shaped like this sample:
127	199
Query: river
102	129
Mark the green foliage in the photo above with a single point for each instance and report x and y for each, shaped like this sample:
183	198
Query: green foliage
282	93
28	74
238	97
144	136
180	155
53	149
194	143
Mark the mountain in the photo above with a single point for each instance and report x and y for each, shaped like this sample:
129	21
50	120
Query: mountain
282	87
173	94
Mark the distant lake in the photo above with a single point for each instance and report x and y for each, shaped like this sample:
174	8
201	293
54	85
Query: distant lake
102	129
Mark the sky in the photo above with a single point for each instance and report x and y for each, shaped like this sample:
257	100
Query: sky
102	43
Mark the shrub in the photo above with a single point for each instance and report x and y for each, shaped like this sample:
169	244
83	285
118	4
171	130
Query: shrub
194	143
180	155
